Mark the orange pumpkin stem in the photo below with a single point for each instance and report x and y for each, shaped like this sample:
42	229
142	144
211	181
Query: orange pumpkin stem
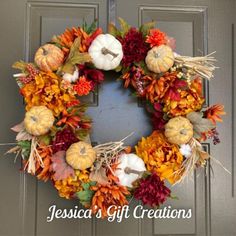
45	52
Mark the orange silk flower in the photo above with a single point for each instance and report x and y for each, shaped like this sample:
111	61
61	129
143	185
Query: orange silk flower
160	156
46	90
214	112
68	187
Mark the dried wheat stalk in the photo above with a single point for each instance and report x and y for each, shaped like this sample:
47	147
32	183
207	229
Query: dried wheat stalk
107	153
204	66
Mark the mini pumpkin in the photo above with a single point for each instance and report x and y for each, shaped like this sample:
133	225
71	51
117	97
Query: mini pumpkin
179	130
130	168
38	120
80	155
49	58
106	52
160	59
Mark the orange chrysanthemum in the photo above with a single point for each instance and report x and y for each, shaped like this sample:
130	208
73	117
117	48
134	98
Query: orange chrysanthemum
190	101
106	196
44	173
165	87
160	156
68	187
46	90
68	37
156	38
214	112
83	86
197	85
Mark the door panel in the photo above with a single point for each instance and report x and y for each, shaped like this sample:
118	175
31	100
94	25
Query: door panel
199	26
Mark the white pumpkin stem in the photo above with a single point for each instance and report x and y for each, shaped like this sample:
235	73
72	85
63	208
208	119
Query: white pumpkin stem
128	171
106	51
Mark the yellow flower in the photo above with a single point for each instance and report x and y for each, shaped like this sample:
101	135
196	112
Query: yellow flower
160	156
68	187
46	90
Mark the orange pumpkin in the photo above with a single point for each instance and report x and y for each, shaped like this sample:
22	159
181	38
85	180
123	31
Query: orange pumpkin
49	58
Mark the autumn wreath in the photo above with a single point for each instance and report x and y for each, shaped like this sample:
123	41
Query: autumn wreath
53	139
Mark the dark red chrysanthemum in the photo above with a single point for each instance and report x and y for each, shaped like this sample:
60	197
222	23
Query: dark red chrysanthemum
134	47
93	75
157	115
152	191
63	140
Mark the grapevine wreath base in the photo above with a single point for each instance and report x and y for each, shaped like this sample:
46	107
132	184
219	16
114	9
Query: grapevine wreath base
53	139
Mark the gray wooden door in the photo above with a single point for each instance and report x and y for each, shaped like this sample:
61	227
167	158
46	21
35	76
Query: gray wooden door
199	26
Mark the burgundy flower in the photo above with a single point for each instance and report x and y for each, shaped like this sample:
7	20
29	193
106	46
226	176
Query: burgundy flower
152	191
134	47
158	123
94	75
63	140
173	92
157	114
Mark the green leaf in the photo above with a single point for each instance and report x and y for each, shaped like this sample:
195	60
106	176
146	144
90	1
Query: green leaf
75	57
68	68
79	58
85	196
81	133
45	139
91	28
113	30
145	28
85	186
25	146
123	26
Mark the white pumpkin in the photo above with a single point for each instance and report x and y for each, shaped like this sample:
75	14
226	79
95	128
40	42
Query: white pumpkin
129	169
106	52
71	77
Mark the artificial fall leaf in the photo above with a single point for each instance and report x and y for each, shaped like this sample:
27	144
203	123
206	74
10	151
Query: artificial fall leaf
123	26
200	124
99	175
15	149
145	28
20	65
19	127
60	167
113	30
22	135
89	28
86	195
75	57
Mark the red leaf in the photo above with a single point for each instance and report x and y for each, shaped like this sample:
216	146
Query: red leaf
99	176
173	94
60	167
